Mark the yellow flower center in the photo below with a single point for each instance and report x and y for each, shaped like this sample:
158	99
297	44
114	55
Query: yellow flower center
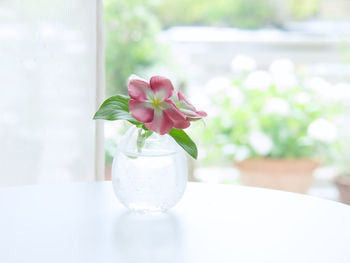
156	102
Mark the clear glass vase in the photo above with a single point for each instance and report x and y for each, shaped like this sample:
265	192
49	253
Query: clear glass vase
151	178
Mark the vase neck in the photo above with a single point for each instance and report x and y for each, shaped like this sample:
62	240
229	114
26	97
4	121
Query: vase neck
137	142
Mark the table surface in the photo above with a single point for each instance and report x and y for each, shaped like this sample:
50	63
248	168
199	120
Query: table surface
84	222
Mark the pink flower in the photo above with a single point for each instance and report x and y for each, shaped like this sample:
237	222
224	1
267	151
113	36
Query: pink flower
187	108
150	103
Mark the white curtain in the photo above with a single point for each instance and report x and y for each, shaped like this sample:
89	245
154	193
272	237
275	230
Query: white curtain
51	79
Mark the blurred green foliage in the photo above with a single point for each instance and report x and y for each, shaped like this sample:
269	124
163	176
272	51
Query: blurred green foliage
130	31
236	13
301	9
131	27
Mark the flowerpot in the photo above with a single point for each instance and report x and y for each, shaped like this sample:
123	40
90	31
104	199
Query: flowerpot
108	172
151	179
343	184
293	175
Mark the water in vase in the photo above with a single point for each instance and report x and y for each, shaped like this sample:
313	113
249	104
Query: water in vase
153	180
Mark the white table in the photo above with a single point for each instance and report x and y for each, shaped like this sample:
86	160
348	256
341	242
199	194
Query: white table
83	223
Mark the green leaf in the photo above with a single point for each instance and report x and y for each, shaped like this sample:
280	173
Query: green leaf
184	141
115	108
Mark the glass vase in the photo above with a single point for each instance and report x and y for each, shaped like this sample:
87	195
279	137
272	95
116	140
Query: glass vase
151	178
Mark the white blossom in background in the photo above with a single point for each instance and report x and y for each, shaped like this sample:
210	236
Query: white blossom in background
229	149
323	130
235	94
283	74
243	63
202	100
342	91
282	66
224	85
277	106
213	87
318	85
241	153
217	84
302	98
261	143
338	92
285	81
343	122
259	79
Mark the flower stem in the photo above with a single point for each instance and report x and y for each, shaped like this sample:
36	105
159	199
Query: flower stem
141	138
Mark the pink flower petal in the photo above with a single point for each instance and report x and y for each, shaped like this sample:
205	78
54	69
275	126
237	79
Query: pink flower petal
193	114
179	120
162	85
183	98
188	109
161	123
140	111
181	124
202	113
138	89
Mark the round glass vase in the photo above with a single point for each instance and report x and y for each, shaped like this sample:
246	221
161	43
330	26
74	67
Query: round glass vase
151	178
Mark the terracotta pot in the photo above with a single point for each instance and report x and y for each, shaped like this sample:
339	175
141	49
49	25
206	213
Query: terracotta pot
293	175
343	184
108	172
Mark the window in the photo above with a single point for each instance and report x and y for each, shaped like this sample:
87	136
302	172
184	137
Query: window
49	77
